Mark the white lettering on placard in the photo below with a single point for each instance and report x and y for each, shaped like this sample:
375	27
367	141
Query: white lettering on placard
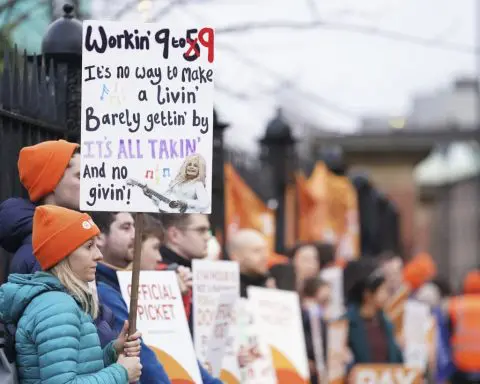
391	376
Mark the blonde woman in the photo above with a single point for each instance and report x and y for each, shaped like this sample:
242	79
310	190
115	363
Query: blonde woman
56	341
188	188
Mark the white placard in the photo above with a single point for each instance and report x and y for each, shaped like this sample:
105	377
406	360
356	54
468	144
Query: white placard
215	284
162	321
334	276
280	322
146	118
220	337
416	323
256	364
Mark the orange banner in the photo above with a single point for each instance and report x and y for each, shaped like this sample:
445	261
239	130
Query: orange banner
306	208
332	209
244	209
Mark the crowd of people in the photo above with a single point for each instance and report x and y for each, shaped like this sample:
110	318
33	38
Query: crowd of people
66	320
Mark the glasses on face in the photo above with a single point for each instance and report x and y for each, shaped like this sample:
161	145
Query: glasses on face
200	230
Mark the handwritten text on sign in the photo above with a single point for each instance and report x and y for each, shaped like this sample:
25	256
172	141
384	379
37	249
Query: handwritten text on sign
216	287
147	115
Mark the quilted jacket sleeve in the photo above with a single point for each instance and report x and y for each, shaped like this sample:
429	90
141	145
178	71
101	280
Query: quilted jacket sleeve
109	354
57	337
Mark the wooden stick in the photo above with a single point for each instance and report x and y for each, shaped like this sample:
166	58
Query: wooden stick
132	318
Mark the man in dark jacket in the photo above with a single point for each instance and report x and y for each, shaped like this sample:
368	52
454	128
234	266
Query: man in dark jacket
50	172
186	239
249	248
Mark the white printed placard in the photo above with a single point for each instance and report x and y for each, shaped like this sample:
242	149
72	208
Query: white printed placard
220	337
161	319
334	276
279	320
146	118
216	285
254	353
416	325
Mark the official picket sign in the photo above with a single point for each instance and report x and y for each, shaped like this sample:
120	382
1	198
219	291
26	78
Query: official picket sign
147	117
278	315
384	374
161	319
211	279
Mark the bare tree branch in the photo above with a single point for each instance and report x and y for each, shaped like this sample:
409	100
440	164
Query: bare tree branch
365	30
327	104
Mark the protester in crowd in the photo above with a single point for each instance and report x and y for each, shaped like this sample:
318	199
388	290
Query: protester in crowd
392	265
116	243
371	336
50	172
56	340
315	298
250	249
419	270
306	263
326	255
463	313
186	239
153	236
440	358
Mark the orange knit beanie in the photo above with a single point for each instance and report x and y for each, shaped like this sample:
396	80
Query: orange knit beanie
41	166
57	232
471	284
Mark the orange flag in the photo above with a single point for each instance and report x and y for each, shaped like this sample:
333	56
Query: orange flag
306	209
343	216
334	217
317	187
244	209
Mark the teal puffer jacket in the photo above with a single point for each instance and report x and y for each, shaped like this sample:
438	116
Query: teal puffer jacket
56	341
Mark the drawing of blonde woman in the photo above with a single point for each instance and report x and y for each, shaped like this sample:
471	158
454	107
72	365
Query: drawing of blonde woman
189	185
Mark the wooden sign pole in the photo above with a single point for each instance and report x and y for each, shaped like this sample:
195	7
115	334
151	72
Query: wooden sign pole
137	250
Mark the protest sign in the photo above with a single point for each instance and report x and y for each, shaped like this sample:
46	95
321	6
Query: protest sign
384	373
147	116
334	276
416	326
254	353
162	321
220	338
337	335
216	287
278	315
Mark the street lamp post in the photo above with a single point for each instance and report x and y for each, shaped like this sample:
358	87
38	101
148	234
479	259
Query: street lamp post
278	151
62	44
218	179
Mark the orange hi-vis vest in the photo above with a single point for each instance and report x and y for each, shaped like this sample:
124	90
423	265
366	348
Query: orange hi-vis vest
464	314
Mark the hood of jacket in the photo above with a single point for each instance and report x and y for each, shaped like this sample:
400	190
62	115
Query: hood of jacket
20	290
16	219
